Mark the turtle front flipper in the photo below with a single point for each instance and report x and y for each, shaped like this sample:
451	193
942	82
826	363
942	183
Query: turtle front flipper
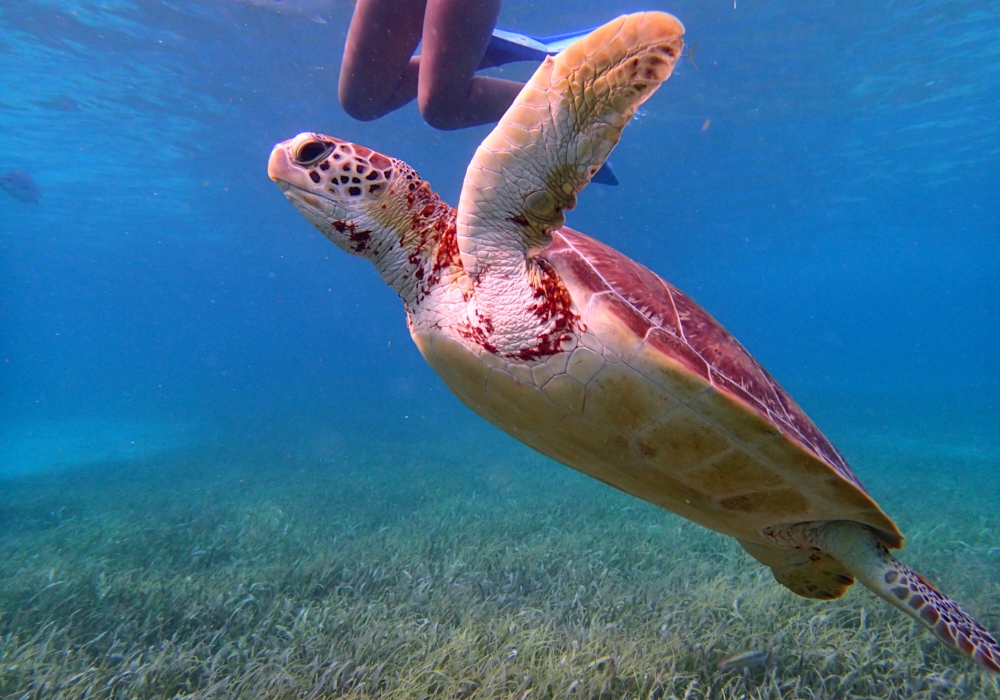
558	132
857	548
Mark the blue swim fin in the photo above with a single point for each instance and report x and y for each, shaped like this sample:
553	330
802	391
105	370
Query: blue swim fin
511	47
605	176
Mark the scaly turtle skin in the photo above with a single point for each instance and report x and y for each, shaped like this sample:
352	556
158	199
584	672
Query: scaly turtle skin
592	359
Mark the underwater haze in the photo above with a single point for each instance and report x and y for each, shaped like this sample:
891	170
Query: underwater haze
226	471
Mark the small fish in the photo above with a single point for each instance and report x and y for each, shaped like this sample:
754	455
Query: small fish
313	9
61	104
20	185
690	55
751	658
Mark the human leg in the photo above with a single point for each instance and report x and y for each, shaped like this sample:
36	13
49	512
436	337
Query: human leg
379	73
455	36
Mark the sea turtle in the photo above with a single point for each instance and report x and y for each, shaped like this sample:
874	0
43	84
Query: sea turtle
589	357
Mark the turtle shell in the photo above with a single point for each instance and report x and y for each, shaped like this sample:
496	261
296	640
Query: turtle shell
654	397
734	437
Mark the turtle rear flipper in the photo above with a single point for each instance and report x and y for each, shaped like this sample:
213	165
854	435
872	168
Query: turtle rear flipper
857	548
805	571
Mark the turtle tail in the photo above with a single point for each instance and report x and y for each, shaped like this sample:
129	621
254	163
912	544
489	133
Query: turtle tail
857	548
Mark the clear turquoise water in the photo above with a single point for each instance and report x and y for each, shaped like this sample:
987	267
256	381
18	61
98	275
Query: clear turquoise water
823	181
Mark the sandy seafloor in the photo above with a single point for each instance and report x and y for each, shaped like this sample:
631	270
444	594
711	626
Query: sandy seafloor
302	562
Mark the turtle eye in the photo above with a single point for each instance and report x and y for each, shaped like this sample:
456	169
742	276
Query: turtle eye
312	152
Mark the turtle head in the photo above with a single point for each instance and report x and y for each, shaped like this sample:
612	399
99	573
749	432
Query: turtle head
350	193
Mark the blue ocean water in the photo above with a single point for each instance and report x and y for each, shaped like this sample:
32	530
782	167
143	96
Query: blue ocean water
822	177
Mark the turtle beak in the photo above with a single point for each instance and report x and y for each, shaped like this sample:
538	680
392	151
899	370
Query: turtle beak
294	182
280	168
